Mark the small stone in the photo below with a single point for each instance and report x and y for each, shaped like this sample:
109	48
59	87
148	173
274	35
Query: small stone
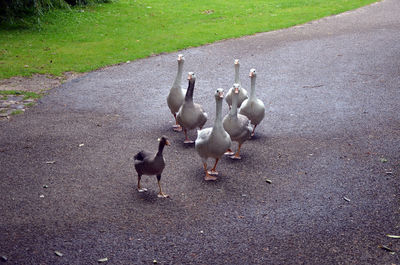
3	114
45	186
4	258
154	261
41	196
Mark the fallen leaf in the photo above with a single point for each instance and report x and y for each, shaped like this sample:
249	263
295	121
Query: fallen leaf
50	162
58	253
383	160
393	236
386	248
80	145
102	260
346	199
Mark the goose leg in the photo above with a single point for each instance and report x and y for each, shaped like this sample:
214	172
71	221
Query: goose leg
213	170
139	188
208	176
187	140
254	128
229	152
237	156
161	194
176	127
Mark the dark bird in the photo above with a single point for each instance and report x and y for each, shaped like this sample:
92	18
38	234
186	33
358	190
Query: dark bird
147	163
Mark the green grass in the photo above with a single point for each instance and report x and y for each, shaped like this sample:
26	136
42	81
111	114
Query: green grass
27	95
88	38
16	112
30	104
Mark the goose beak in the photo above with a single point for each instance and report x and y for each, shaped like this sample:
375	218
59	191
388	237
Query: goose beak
189	77
251	74
167	143
221	94
236	90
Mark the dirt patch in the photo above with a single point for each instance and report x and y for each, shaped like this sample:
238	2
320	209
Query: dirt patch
36	83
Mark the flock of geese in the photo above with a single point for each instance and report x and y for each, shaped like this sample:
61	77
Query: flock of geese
211	142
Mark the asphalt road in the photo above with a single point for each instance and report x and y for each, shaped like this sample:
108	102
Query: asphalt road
331	131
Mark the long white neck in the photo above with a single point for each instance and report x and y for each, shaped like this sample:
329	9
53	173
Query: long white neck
233	111
178	78
237	73
218	116
253	87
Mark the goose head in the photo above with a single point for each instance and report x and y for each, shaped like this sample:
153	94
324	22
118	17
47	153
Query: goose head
236	88
219	94
252	72
181	59
164	140
191	77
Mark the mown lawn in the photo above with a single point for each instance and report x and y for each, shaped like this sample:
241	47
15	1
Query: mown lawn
85	39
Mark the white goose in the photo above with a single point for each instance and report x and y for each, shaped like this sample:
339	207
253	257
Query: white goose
190	115
243	93
176	94
253	108
213	142
236	125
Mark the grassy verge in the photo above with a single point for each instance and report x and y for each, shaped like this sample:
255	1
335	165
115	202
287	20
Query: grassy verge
27	95
84	39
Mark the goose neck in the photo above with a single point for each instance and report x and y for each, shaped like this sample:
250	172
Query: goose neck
178	78
253	87
233	111
161	146
189	92
218	115
237	73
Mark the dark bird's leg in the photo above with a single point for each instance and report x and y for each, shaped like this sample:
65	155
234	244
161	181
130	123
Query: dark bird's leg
213	170
161	194
139	188
187	141
237	156
176	127
254	128
208	176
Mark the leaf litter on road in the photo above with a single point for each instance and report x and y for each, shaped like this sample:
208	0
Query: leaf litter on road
58	253
386	248
393	236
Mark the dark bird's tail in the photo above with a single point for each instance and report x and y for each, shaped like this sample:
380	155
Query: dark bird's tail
139	156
